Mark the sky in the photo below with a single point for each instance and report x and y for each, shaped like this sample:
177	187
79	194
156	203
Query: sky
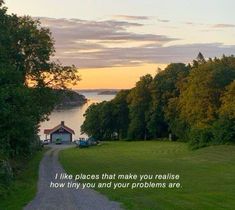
113	43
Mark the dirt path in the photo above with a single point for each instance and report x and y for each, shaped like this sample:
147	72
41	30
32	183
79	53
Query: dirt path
64	199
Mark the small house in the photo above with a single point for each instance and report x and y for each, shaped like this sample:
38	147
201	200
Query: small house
61	132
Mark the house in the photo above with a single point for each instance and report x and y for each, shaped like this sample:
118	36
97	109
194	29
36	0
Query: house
61	132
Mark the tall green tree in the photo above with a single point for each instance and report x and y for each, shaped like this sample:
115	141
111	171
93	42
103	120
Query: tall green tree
92	124
200	99
100	121
223	128
121	114
139	101
228	101
203	101
200	60
108	120
165	87
194	103
27	76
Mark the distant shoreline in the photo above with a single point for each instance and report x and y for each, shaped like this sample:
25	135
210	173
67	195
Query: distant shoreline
108	92
97	90
69	99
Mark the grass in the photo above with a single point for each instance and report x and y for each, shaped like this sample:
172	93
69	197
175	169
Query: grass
24	187
207	175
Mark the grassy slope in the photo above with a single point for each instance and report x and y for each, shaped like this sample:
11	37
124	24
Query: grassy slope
24	188
207	175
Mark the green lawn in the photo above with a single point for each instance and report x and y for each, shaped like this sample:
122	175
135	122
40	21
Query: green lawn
24	187
207	175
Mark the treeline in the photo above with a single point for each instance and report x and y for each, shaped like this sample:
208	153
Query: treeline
193	103
27	79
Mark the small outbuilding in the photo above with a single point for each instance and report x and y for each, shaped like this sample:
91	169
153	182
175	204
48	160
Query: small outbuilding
60	132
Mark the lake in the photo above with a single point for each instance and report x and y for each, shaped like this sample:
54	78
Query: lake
73	117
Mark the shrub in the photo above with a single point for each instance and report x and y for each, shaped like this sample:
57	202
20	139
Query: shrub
200	137
6	175
223	131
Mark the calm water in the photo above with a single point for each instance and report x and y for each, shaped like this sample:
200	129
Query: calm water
73	117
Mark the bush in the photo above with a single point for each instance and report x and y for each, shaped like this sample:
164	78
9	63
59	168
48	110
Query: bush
200	137
223	131
6	175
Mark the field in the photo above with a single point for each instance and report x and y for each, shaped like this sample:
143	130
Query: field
24	187
207	175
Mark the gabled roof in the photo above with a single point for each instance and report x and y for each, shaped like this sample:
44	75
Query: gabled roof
62	125
47	131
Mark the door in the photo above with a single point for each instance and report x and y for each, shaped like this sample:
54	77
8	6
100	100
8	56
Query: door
65	137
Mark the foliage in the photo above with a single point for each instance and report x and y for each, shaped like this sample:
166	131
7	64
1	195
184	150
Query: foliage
200	137
228	101
121	113
99	121
206	101
108	120
139	100
165	89
27	76
6	174
200	99
223	131
69	98
193	103
24	185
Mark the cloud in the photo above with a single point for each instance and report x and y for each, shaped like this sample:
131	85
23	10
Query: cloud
72	30
97	44
218	26
222	25
130	17
155	54
192	23
196	24
163	20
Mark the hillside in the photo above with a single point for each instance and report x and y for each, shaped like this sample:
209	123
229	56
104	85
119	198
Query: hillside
69	98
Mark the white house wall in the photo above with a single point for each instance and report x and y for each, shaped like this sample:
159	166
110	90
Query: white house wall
65	137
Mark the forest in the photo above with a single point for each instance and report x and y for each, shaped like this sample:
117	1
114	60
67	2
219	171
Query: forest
194	103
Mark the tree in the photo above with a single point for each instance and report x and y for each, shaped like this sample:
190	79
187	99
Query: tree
100	121
206	102
121	114
200	100
228	101
139	101
27	76
108	120
192	103
224	127
92	124
200	60
165	87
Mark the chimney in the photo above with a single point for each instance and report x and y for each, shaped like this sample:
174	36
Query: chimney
62	123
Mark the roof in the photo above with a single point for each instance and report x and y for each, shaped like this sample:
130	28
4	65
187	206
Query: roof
47	131
62	125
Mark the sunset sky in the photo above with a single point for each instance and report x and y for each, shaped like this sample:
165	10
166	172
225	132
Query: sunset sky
113	43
